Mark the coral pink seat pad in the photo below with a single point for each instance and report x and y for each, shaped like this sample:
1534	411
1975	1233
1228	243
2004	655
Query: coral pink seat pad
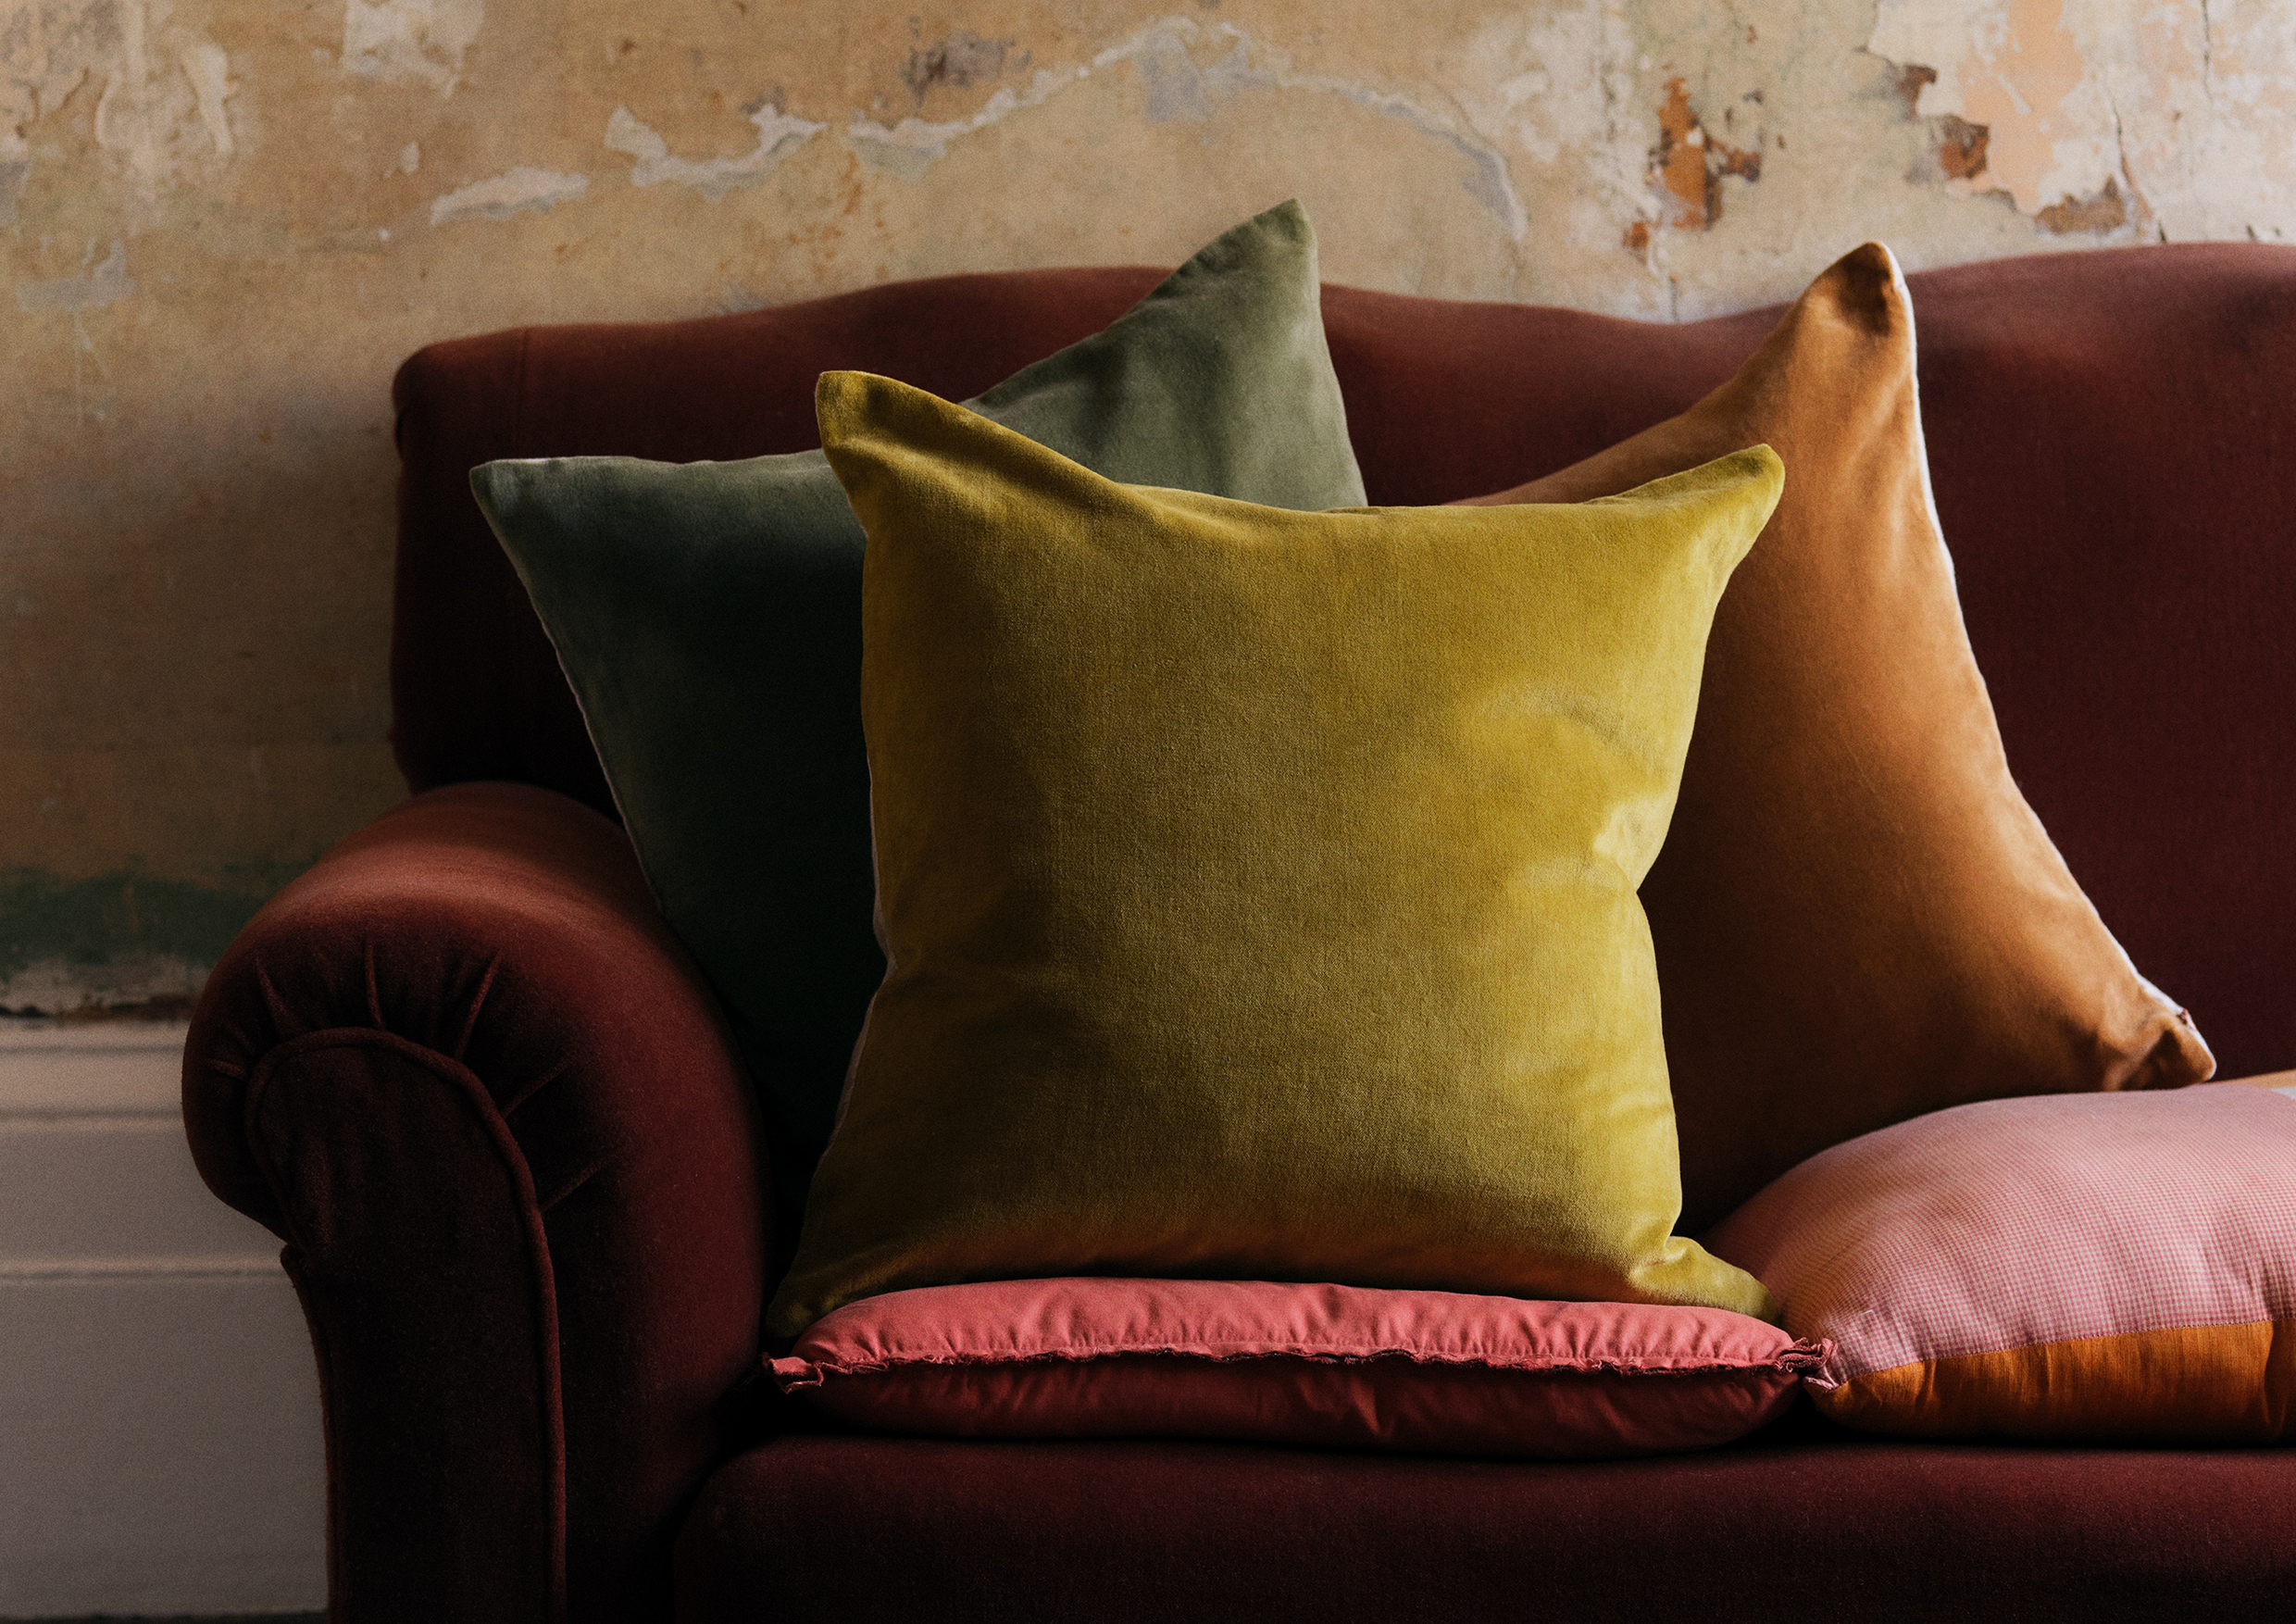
1429	1372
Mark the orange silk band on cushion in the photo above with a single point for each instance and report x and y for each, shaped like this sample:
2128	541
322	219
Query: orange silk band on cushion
2180	1384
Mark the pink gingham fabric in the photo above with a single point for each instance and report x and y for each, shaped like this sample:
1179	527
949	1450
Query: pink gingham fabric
2022	1222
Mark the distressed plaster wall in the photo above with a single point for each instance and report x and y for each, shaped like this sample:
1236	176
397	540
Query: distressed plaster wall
226	221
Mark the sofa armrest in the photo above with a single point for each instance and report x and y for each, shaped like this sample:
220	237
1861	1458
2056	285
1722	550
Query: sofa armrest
463	1070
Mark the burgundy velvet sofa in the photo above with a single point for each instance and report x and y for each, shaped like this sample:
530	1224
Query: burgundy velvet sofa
462	1071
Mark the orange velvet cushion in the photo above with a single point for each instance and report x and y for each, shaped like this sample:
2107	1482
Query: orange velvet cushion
1857	917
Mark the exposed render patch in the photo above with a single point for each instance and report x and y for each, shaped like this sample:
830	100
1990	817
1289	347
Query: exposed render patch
52	994
1178	90
208	68
1686	170
164	87
1558	87
162	108
2105	212
45	51
100	284
778	136
2020	96
420	40
1961	148
1912	80
1175	88
910	147
500	197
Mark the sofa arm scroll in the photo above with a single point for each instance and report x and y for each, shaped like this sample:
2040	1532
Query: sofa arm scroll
463	1070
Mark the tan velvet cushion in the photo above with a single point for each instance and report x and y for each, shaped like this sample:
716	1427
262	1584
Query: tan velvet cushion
1258	887
1857	917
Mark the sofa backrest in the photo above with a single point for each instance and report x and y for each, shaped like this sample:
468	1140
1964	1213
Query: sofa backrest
2110	436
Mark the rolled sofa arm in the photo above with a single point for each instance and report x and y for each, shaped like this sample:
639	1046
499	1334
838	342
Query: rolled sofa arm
463	1070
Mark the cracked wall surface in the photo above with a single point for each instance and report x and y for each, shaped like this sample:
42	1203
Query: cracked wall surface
225	224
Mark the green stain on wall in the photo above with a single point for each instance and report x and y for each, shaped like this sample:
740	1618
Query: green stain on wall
124	916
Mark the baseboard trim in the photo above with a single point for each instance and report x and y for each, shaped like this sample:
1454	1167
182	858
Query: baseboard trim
125	1269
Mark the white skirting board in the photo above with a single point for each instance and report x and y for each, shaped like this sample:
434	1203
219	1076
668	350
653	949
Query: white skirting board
159	1426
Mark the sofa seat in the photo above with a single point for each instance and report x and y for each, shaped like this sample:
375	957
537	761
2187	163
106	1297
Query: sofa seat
1803	1521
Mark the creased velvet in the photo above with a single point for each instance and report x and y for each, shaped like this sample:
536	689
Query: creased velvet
463	1070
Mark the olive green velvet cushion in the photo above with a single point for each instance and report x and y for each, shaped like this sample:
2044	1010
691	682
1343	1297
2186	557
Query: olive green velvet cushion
1258	887
708	616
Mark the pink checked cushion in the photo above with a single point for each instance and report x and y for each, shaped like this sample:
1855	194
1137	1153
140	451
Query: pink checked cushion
1434	1372
2106	1266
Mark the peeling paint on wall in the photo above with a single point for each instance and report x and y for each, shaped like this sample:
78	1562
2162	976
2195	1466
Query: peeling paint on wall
1559	86
1179	91
162	114
1687	167
422	41
778	136
99	284
514	191
45	52
2089	116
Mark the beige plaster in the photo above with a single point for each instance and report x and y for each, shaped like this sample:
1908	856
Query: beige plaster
226	221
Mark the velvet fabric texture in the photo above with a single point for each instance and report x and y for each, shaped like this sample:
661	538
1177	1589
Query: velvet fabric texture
1858	917
1800	1522
1258	887
709	614
1426	1372
531	1257
2108	1269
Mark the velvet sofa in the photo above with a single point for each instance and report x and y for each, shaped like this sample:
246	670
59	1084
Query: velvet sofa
466	1075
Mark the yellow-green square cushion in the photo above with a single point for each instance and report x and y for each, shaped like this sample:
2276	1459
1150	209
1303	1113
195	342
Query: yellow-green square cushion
1258	887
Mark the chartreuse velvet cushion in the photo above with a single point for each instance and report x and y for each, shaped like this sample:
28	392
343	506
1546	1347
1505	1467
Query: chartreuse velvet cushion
1258	887
708	616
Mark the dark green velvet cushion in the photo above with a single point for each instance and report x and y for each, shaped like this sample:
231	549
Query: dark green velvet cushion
708	616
